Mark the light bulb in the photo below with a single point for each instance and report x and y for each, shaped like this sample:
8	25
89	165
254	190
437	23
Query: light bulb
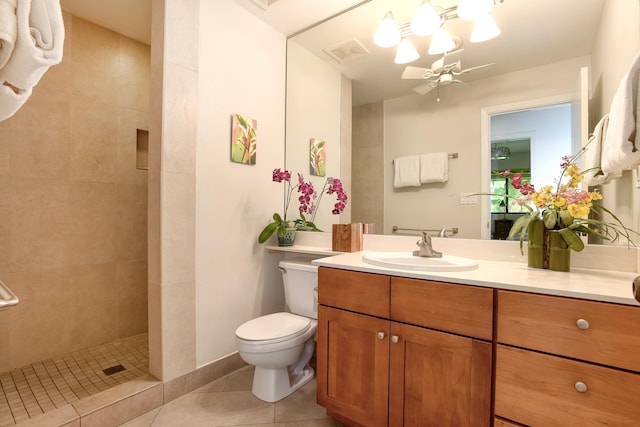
484	29
406	52
387	34
426	21
470	10
441	42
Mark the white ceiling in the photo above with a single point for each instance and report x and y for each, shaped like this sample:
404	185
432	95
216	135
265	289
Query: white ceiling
534	32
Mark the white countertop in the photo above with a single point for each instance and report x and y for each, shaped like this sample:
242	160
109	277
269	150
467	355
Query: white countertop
598	285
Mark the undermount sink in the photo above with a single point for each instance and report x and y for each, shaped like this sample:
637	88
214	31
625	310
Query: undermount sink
407	261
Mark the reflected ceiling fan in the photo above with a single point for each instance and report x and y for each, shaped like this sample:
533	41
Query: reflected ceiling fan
440	74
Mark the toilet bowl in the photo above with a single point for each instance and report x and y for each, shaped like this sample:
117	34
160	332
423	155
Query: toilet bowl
280	345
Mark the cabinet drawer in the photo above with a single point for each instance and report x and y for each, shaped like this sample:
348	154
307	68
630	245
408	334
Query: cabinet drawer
541	390
553	325
360	292
460	309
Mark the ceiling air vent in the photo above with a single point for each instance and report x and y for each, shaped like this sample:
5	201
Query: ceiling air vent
347	51
265	4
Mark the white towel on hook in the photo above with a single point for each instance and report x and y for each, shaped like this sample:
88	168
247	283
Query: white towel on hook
406	172
11	99
592	159
621	146
8	30
39	44
434	167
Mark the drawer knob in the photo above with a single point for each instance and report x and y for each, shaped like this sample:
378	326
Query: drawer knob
395	339
380	335
580	387
582	324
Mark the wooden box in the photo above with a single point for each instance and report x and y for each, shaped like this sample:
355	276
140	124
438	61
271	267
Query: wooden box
346	237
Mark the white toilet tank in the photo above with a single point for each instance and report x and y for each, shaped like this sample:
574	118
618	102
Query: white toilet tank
300	279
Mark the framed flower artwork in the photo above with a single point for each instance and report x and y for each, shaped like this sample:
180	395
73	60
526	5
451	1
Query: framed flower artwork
317	157
244	137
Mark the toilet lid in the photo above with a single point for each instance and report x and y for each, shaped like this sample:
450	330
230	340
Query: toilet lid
273	326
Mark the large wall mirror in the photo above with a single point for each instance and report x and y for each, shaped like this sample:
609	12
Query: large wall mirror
347	91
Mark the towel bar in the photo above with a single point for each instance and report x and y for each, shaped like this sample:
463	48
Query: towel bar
452	230
451	156
7	298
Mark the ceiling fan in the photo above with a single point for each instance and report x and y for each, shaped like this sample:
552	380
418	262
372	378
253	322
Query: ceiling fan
439	74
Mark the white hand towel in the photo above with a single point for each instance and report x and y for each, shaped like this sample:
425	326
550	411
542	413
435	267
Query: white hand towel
621	147
11	99
407	172
39	43
434	167
8	30
592	159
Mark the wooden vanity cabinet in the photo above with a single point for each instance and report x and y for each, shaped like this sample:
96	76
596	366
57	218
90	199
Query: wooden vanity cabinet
388	356
566	362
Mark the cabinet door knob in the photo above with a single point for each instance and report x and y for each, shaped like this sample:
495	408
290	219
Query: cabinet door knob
380	335
395	339
580	387
582	324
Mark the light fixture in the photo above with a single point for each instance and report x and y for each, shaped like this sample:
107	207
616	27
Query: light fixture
485	28
470	10
428	21
441	42
406	52
500	153
387	34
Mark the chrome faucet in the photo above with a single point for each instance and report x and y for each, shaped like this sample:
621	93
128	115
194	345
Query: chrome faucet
426	250
443	232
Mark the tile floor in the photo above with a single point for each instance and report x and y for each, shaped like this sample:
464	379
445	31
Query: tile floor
228	402
40	387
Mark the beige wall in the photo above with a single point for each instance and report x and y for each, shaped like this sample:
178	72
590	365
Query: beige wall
73	238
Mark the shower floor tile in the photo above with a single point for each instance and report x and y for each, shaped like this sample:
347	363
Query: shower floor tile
43	386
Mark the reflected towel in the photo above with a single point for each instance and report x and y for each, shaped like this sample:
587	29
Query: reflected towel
592	160
39	43
407	172
621	147
434	167
8	30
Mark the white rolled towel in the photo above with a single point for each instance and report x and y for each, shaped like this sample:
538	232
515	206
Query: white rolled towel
39	43
8	30
11	99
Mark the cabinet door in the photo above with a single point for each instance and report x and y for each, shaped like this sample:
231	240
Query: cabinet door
438	379
353	366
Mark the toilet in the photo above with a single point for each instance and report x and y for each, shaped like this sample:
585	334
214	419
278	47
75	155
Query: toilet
280	345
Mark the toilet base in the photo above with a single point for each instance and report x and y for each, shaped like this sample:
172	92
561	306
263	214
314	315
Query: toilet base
272	385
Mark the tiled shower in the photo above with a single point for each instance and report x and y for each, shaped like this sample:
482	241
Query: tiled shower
73	203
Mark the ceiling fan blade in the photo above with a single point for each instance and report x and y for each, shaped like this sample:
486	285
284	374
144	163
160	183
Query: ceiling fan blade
459	84
423	88
466	70
415	72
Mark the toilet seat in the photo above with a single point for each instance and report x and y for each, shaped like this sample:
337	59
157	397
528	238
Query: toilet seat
273	328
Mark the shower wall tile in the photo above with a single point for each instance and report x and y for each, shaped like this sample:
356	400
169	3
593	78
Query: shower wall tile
92	233
129	121
94	304
46	109
131	298
94	69
6	141
40	153
39	224
6	188
94	148
131	226
133	75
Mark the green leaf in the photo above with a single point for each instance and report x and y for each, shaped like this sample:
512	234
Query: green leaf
550	219
565	218
520	227
571	239
267	232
